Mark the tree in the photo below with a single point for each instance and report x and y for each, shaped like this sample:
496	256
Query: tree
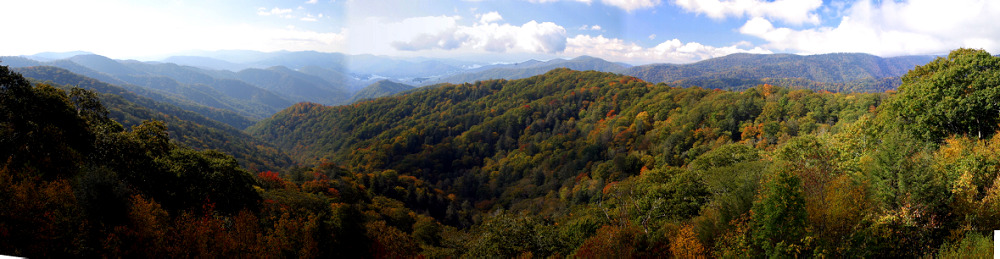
686	245
725	156
953	95
622	241
779	217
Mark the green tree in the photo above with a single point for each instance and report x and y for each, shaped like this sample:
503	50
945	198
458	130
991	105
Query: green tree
953	95
779	217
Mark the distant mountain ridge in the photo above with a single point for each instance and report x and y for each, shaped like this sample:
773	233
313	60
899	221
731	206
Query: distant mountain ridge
848	72
531	68
48	56
241	92
838	71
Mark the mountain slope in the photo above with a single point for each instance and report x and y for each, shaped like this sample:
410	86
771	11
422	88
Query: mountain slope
205	63
531	68
519	143
851	71
333	76
220	89
12	61
294	85
236	104
105	65
380	89
187	83
186	127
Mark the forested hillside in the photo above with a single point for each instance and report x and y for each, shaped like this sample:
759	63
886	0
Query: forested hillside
594	164
564	164
380	89
186	127
78	184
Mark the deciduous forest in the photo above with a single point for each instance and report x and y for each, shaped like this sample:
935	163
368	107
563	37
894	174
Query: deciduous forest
564	164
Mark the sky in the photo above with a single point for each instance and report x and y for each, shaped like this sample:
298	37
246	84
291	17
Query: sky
631	31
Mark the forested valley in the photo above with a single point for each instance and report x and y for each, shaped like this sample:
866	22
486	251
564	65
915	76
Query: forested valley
564	164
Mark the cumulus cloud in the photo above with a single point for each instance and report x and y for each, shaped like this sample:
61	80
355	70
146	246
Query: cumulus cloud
891	28
533	36
489	17
790	11
671	51
594	27
445	33
446	40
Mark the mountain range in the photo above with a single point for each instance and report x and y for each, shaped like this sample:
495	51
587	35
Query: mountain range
840	72
241	87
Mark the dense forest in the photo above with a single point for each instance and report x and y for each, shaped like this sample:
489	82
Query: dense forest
564	164
187	127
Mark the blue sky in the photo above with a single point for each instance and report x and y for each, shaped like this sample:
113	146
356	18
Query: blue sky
633	31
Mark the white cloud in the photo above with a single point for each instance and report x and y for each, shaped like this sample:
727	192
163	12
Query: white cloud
545	37
891	28
790	11
594	27
671	51
377	36
312	1
652	36
445	33
446	40
489	17
285	13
